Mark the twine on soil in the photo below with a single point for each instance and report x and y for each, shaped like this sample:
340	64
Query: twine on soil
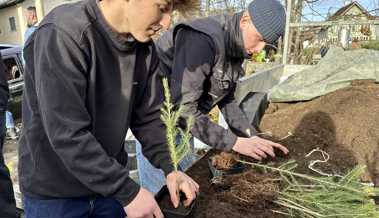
326	158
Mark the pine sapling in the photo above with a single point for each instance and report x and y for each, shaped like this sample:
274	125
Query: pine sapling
170	118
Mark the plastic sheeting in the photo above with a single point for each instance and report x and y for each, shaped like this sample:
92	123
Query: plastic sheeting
335	71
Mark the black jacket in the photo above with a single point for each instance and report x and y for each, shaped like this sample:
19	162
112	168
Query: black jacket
203	59
4	90
85	85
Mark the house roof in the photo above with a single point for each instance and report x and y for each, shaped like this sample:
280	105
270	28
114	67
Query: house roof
8	3
342	11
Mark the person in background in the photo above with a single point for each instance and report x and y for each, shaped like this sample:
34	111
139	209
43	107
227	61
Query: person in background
32	20
12	132
7	200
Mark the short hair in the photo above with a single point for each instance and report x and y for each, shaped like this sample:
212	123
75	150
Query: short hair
31	8
186	7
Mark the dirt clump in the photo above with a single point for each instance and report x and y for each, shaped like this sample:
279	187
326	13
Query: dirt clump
224	160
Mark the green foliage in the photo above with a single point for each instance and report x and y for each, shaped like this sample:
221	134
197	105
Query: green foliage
371	45
306	196
259	57
170	118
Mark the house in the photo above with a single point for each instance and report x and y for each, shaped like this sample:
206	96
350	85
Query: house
13	17
352	12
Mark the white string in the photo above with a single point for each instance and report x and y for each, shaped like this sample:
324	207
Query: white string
325	157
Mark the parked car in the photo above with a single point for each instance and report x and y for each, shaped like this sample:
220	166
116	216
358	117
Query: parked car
12	58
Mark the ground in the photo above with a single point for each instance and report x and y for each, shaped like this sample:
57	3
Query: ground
11	160
345	124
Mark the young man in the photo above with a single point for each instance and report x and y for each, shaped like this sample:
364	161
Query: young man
7	201
91	73
32	20
204	58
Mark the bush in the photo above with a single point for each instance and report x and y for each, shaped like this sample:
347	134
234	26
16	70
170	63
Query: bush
374	45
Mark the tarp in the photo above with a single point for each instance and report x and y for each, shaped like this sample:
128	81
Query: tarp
335	71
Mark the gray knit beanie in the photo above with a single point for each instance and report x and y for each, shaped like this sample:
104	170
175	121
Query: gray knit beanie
269	17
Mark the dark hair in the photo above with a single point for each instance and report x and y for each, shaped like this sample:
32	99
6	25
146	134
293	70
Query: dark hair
31	8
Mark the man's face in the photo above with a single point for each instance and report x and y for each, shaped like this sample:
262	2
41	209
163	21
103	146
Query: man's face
31	17
147	17
252	39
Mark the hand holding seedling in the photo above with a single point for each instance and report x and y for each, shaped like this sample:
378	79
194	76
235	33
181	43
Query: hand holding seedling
178	181
257	148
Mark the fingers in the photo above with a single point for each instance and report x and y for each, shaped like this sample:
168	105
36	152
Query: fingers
258	149
267	149
268	146
281	147
189	192
254	155
174	193
194	185
190	195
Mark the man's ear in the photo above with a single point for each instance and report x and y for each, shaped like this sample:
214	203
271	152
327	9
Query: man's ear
245	20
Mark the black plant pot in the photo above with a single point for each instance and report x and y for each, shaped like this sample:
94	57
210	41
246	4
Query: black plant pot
218	173
164	202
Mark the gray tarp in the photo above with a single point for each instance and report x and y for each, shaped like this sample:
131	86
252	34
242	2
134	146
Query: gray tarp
335	71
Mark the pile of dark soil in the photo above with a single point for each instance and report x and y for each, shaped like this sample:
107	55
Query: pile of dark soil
344	123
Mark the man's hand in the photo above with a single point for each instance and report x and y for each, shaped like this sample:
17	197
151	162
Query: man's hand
178	181
143	206
257	148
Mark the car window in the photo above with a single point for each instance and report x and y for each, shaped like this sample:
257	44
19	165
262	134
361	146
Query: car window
13	70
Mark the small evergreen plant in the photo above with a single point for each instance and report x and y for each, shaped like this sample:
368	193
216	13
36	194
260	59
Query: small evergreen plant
170	118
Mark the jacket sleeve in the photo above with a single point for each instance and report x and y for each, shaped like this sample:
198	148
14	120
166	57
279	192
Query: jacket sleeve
60	82
235	117
147	126
194	56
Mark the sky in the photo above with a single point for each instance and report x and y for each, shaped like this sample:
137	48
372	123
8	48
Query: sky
322	7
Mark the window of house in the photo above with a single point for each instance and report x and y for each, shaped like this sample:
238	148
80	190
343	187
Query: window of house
12	24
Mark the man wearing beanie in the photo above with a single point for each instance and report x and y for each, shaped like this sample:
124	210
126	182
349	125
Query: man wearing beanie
203	59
